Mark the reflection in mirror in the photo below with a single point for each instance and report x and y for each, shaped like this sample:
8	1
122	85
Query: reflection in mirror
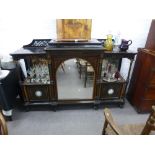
75	79
37	72
110	71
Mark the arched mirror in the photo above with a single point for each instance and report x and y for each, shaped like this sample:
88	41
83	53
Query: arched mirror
75	79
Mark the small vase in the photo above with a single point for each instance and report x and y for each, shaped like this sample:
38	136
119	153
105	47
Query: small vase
109	43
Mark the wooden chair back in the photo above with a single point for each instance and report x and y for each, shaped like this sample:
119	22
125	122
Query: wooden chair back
148	127
88	73
110	121
3	126
150	123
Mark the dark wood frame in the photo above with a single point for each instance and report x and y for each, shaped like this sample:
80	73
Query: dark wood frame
56	56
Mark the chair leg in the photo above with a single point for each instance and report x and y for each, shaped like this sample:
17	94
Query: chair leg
80	70
77	63
85	80
62	67
149	124
146	131
104	128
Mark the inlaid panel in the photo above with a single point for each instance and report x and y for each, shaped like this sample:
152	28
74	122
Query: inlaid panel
111	90
38	92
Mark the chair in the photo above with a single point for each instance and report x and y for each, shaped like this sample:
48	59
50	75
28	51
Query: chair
85	69
81	66
3	126
88	74
110	127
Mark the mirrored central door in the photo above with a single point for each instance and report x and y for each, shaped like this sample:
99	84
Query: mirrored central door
75	79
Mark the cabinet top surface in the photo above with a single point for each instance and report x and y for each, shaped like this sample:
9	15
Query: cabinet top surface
43	46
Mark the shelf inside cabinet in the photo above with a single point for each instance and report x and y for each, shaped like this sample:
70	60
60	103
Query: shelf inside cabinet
113	80
34	83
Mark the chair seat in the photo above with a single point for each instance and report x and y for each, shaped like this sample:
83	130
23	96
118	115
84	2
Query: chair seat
129	129
90	69
110	126
83	62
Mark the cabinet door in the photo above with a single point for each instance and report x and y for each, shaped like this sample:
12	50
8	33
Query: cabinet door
150	93
152	76
111	90
111	82
38	92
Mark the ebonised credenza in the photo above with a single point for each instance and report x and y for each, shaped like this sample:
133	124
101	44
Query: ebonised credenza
49	54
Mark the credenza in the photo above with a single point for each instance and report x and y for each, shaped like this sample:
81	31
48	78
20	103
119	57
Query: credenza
48	55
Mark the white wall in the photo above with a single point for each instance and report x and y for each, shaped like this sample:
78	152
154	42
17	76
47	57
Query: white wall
15	32
18	32
134	29
23	21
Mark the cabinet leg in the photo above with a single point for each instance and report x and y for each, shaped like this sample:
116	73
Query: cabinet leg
7	114
27	108
121	105
8	118
54	106
139	111
96	104
96	107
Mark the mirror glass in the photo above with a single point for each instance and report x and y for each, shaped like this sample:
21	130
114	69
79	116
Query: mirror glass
75	79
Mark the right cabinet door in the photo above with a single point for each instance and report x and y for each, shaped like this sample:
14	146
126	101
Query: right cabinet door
112	84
